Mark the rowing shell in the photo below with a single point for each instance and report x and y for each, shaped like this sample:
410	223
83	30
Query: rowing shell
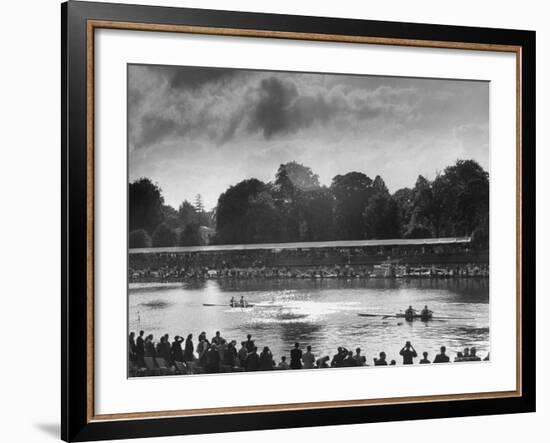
248	305
415	316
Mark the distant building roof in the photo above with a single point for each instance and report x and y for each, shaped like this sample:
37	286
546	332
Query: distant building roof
307	245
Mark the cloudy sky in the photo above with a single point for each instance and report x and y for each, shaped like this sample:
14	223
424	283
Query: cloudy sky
199	130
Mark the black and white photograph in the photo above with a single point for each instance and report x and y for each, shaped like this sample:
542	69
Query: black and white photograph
303	220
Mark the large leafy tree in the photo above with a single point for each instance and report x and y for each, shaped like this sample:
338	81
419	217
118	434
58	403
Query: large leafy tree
232	209
164	236
404	199
293	183
292	178
145	205
466	196
379	186
139	239
262	221
428	207
352	192
170	216
456	203
317	215
382	217
191	235
187	214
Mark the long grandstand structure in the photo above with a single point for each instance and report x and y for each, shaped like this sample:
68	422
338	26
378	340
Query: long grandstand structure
399	242
363	256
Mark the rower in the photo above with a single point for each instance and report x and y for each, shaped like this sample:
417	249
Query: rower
426	314
232	302
242	302
409	313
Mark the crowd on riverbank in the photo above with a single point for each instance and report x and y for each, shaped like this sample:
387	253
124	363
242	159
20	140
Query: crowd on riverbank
167	273
148	357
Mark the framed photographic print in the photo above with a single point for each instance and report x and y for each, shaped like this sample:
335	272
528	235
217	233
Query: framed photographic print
279	221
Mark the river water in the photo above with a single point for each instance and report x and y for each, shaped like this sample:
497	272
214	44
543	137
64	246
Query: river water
322	313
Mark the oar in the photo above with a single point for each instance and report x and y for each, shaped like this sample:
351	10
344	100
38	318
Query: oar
454	318
376	315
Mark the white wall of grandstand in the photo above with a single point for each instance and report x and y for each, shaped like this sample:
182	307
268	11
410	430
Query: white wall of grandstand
391	258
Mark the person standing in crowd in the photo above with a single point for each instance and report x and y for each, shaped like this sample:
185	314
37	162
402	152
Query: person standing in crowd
202	336
360	360
149	346
424	360
217	339
322	362
249	343
308	358
473	356
283	365
132	348
339	357
213	360
202	345
163	349
408	353
381	361
242	354
189	349
253	361
266	360
296	357
177	352
229	355
442	357
203	356
140	349
349	361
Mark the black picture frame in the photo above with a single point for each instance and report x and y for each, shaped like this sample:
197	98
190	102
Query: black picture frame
76	424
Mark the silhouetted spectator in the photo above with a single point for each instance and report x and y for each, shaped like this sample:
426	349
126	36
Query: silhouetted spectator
253	361
213	360
381	361
266	360
408	353
189	349
283	364
442	357
249	343
308	358
424	360
296	357
177	352
132	347
140	349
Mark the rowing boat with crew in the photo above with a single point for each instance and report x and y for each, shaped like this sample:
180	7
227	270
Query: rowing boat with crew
411	315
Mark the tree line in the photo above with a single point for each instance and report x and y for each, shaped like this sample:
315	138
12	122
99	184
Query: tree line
296	207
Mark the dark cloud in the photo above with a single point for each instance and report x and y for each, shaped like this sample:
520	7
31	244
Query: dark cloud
191	77
272	113
282	109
